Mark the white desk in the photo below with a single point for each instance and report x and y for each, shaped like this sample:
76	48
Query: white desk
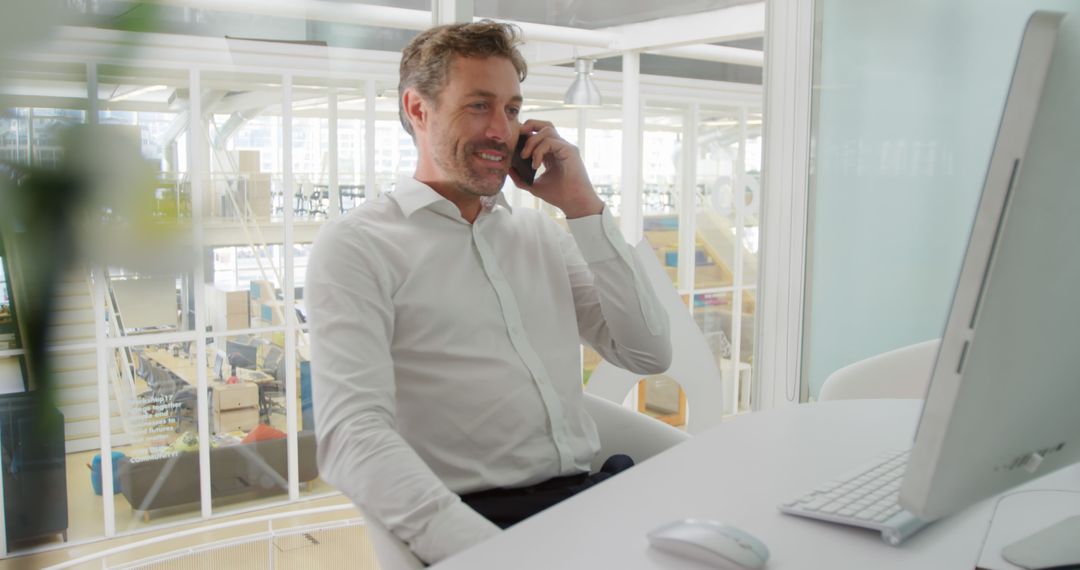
738	472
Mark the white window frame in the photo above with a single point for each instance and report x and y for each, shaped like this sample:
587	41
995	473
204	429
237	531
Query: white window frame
789	63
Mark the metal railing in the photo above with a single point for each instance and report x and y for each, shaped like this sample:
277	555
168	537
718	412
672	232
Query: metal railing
335	543
123	381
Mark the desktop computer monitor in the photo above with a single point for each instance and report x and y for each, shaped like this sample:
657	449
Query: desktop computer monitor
248	353
1001	406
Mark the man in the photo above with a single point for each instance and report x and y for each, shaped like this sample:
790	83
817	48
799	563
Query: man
446	326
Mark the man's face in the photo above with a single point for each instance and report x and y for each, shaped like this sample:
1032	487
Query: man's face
474	125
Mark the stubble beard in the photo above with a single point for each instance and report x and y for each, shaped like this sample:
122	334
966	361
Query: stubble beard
462	176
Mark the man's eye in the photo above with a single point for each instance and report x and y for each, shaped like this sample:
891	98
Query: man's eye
479	106
513	112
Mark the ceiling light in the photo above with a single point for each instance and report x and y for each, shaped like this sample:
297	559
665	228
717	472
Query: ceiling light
583	91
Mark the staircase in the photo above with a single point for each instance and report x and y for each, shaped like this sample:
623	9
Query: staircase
74	373
718	235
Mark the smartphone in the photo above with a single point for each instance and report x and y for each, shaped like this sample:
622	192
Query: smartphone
520	165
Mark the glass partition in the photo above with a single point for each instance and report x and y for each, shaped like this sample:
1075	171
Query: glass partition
248	459
352	147
155	448
907	102
230	294
661	163
311	484
243	124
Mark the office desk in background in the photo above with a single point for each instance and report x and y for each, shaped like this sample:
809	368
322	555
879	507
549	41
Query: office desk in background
232	406
738	472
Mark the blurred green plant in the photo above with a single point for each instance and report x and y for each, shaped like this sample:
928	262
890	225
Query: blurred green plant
96	207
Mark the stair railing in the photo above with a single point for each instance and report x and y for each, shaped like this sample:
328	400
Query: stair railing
123	380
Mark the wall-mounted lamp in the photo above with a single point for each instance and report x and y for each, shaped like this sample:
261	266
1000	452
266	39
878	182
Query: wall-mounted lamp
583	91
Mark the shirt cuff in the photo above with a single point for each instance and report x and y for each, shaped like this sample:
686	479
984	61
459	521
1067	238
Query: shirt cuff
452	530
596	236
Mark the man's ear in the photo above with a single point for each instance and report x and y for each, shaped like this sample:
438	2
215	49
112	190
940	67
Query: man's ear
416	109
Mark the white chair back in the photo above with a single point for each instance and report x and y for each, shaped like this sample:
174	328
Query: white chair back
901	373
628	432
693	365
391	552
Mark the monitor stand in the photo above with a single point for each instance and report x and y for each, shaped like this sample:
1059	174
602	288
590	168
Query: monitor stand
1053	547
1035	525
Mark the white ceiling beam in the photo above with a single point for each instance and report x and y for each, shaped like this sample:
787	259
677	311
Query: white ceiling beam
169	51
380	16
678	36
157	54
719	54
735	23
319	10
567	36
552	54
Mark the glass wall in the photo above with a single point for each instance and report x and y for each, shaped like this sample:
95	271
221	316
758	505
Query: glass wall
7	315
174	323
908	98
189	345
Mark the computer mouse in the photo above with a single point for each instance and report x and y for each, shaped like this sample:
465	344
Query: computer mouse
715	544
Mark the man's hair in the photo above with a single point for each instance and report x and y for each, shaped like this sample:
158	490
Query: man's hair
425	62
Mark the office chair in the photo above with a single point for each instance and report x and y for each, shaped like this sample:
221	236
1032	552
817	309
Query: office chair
319	200
901	373
621	431
273	358
352	192
274	365
186	401
161	381
693	365
143	368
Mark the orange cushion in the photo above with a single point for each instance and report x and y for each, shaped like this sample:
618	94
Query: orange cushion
262	432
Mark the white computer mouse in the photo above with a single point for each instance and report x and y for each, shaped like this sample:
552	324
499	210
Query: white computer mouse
716	544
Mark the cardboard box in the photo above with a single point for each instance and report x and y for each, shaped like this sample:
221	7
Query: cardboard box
236	322
258	195
243	419
227	310
235	396
248	161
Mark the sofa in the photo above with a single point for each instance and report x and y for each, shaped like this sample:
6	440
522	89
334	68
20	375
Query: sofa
173	479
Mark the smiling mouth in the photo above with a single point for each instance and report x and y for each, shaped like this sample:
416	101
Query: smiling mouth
490	156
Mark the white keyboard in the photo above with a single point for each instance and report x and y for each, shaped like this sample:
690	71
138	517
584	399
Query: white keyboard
868	497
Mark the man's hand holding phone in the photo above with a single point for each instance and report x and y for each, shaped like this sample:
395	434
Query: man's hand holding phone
565	183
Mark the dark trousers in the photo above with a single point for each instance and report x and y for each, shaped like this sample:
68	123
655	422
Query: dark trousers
506	507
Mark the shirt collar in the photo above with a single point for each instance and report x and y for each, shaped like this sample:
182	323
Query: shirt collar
412	195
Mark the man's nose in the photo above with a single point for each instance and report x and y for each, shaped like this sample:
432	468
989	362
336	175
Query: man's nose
500	127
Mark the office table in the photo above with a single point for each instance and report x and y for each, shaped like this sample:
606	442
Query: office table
183	367
738	472
235	406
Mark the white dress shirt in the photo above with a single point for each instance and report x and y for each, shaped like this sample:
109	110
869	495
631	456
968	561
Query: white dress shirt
446	355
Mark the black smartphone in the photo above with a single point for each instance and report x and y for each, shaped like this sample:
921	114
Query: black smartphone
520	165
